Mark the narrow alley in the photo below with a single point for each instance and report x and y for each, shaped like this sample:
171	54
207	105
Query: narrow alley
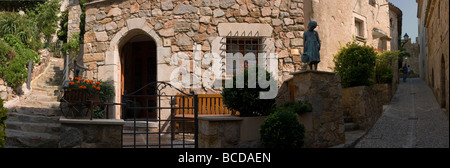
413	119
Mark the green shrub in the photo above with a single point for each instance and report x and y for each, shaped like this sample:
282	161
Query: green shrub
107	91
45	17
246	100
21	26
63	24
383	67
282	130
296	107
355	64
3	117
15	73
7	53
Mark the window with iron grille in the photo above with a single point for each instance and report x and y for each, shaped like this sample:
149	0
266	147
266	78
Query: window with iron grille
243	45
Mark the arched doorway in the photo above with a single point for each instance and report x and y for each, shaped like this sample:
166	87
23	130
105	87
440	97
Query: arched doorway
443	87
138	68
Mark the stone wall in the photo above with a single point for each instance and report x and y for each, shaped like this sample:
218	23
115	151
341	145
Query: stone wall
413	60
363	105
325	125
176	26
229	132
73	22
96	133
437	42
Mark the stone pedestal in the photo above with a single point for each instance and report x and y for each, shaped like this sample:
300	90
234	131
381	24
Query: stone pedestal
324	92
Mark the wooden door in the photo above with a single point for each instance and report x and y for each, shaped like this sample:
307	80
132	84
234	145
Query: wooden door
140	70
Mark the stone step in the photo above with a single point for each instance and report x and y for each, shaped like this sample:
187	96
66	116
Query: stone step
47	87
22	139
42	97
51	128
351	126
20	117
48	90
53	110
353	137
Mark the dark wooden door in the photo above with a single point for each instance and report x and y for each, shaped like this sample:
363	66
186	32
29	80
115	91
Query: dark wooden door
140	70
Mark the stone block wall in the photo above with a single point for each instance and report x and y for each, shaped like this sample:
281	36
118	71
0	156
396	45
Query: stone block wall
363	105
97	133
177	25
229	132
325	126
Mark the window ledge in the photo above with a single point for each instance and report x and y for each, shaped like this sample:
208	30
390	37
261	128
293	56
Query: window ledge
361	39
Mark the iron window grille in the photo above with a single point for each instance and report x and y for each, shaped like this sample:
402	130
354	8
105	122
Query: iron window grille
244	45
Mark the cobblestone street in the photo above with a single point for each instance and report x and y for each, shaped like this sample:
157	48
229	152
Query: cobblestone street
413	119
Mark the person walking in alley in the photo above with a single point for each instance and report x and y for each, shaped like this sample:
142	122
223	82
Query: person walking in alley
405	71
409	71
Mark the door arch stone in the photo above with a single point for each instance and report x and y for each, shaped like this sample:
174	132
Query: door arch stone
111	69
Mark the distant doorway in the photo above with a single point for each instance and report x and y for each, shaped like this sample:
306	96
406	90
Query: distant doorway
138	61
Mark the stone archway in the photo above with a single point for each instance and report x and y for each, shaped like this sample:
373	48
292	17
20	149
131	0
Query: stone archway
111	70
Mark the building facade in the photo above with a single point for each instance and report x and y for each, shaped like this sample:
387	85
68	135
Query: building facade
343	21
433	46
133	42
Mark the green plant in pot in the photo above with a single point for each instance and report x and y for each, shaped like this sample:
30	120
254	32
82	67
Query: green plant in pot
97	92
246	100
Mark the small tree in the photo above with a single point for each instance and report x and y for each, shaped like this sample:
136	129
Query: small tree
355	64
246	100
383	67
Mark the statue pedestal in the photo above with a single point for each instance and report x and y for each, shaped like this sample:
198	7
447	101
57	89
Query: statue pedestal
323	91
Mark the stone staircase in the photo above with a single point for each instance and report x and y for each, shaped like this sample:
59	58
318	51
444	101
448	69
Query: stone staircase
353	133
34	120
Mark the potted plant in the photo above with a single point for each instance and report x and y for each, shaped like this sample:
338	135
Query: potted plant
83	97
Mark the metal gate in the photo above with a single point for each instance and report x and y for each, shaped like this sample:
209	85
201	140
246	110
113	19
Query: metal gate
152	117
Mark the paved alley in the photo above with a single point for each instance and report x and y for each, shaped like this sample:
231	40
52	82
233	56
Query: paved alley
414	119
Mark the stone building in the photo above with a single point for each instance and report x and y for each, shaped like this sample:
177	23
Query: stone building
413	60
120	33
343	21
434	52
395	24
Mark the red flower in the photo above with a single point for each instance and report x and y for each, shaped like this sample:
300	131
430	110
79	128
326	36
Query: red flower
95	105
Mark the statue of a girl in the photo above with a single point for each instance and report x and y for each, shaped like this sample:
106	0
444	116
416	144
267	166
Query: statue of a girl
311	45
